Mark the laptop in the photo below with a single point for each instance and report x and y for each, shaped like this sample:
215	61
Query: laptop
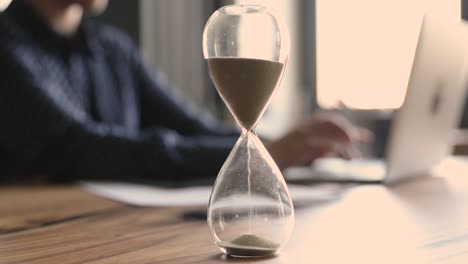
420	134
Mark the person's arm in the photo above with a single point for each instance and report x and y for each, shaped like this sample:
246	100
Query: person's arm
161	106
41	125
319	135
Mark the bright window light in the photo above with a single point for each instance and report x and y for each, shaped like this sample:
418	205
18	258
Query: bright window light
4	4
365	49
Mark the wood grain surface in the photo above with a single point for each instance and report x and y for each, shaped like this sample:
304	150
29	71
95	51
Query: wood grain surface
27	207
424	221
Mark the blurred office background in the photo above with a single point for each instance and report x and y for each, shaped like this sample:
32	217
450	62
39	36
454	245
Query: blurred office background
349	56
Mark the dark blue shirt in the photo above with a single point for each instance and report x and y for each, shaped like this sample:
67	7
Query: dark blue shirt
87	107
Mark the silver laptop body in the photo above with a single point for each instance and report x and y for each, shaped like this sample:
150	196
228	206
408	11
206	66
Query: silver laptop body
420	136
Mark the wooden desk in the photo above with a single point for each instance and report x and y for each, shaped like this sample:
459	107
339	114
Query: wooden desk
425	221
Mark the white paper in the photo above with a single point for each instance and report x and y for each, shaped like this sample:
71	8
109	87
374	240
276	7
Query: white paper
147	195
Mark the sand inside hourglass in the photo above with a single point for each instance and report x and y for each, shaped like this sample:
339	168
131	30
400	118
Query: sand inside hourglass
250	245
246	86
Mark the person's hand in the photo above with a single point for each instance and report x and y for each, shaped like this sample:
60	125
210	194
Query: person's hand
320	135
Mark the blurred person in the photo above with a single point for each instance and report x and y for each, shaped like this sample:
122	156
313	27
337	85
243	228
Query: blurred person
77	102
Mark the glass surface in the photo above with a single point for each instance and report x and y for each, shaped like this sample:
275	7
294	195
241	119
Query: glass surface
250	210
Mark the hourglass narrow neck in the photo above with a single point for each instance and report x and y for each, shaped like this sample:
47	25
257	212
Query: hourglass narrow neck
246	132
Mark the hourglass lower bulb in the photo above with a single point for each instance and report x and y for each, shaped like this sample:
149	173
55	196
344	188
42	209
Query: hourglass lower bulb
250	210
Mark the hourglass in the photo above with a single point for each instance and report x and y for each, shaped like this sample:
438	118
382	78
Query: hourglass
250	210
